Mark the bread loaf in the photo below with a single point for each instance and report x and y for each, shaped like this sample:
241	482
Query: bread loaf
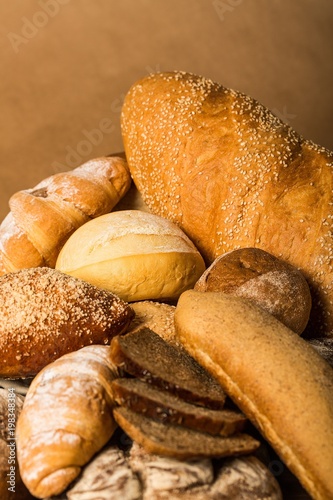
145	355
42	218
134	254
138	475
232	175
46	314
156	316
66	419
179	442
267	281
143	397
238	478
279	381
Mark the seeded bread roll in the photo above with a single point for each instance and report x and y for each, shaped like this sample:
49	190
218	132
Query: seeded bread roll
267	281
274	376
134	254
45	314
232	175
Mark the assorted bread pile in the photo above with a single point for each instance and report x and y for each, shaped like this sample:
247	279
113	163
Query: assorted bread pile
177	344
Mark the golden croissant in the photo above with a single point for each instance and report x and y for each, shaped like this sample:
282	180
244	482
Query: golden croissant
41	219
66	419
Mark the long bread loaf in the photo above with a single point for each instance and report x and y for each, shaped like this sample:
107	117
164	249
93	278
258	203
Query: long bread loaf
232	175
279	381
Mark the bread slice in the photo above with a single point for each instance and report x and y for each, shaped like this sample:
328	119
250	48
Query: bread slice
147	356
179	442
143	398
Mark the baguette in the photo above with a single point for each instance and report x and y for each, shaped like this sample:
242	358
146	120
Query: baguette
232	175
275	377
42	218
66	419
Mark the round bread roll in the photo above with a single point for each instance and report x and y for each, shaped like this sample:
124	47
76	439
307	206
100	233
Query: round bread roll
134	254
267	281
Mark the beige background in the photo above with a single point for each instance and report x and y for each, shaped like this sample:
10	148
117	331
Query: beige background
66	65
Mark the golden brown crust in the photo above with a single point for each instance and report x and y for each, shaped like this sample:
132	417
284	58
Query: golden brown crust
279	381
42	218
232	175
66	419
46	314
157	316
267	281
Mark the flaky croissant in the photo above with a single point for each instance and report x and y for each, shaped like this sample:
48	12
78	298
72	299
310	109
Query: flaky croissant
42	218
66	419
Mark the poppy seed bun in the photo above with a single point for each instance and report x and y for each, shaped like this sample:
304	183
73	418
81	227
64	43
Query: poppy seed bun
267	281
134	254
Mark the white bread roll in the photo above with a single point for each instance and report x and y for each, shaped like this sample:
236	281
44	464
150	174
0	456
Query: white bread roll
135	254
279	381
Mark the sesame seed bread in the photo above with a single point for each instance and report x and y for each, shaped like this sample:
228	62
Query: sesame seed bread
42	218
274	376
232	175
134	254
45	314
267	281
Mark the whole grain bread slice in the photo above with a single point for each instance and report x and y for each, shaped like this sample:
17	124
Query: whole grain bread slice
142	397
145	355
179	442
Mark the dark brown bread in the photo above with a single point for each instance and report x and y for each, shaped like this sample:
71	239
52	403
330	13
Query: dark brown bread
45	314
179	442
147	356
269	282
142	397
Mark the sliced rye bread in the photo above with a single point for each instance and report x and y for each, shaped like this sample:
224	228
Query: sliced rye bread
142	397
147	356
179	442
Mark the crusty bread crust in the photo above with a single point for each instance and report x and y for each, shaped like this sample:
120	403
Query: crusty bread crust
279	381
46	314
267	281
232	175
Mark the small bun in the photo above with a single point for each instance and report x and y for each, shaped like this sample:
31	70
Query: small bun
265	280
134	254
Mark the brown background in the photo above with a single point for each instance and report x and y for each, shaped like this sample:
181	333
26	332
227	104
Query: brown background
66	65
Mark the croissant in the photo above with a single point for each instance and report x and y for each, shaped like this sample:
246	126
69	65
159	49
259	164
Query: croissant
66	419
42	218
